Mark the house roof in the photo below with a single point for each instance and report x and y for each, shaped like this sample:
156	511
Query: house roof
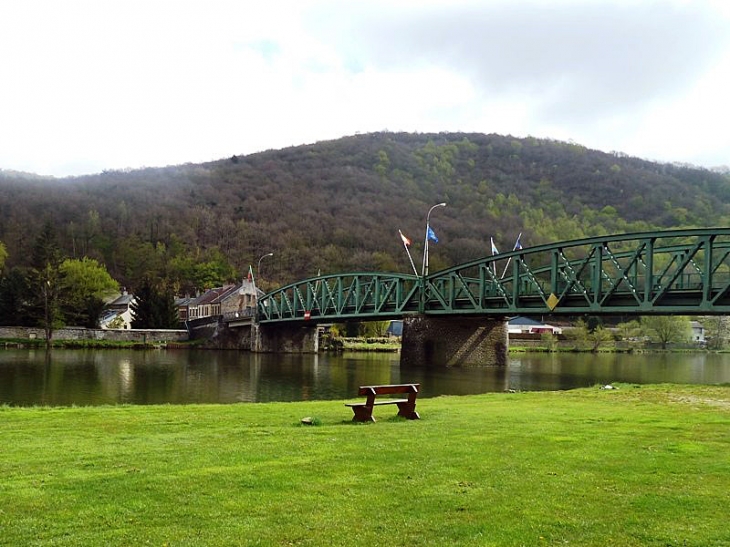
122	301
211	296
526	321
396	327
183	301
246	287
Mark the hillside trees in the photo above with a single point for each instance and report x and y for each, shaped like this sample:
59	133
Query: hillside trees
65	291
3	255
83	286
352	194
54	291
189	274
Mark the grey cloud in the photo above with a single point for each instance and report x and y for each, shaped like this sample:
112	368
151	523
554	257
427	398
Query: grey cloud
596	58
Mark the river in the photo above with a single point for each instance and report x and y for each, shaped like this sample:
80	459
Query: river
100	377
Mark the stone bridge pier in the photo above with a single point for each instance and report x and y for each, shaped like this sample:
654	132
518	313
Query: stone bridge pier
286	338
454	341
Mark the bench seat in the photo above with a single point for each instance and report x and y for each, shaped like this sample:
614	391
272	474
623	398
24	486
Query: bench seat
406	407
376	403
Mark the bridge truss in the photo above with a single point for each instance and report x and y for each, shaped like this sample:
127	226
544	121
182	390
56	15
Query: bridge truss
684	272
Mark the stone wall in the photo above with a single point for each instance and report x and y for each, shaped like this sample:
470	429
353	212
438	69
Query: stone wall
285	338
219	335
80	333
453	341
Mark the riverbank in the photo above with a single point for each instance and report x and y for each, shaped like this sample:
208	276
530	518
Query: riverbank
629	466
83	338
17	343
350	345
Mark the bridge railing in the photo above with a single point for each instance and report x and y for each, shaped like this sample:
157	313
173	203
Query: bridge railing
663	272
240	314
342	296
678	271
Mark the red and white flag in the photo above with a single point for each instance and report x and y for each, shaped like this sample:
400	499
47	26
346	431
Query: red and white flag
406	244
406	241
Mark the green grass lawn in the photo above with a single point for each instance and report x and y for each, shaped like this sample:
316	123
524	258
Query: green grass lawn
637	466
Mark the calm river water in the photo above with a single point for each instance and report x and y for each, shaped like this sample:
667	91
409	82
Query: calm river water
98	377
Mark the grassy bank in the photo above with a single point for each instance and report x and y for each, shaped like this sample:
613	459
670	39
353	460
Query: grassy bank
634	466
392	347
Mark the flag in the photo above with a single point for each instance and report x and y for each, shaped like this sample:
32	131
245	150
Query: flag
518	245
406	241
494	247
250	274
430	234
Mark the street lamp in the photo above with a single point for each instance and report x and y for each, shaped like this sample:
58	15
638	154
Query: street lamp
258	266
424	267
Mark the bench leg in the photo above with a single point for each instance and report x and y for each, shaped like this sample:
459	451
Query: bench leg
363	414
408	410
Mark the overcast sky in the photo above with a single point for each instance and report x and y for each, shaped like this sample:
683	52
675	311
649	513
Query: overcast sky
114	84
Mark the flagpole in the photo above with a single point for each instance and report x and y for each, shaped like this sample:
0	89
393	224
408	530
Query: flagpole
405	246
316	285
424	265
517	242
494	253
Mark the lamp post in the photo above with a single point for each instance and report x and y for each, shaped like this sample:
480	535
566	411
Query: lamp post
258	266
424	266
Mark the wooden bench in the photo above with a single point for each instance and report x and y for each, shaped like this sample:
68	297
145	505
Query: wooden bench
406	407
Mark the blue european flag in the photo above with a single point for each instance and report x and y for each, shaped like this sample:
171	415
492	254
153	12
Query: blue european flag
432	235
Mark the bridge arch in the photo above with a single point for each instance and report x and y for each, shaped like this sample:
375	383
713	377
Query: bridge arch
646	273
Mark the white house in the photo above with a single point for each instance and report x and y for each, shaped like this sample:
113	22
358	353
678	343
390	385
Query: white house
118	313
526	325
698	332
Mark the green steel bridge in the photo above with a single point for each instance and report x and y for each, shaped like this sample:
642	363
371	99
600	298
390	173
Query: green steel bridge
683	272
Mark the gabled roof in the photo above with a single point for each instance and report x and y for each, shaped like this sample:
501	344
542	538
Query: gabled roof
183	301
212	296
246	287
121	302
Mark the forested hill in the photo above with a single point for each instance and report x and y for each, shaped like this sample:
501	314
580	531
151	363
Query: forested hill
337	206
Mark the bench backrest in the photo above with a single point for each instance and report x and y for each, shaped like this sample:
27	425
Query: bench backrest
389	389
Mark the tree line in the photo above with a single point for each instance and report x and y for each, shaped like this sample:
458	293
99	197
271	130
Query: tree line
54	291
663	330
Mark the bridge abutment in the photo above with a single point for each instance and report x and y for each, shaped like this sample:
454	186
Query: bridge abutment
454	341
286	338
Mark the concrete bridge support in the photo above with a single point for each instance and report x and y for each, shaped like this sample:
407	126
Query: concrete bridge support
287	338
454	341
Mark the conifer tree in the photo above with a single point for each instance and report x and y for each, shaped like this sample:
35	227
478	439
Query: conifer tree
15	297
45	273
153	308
143	306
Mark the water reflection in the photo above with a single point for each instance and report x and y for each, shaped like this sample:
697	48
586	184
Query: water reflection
94	377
